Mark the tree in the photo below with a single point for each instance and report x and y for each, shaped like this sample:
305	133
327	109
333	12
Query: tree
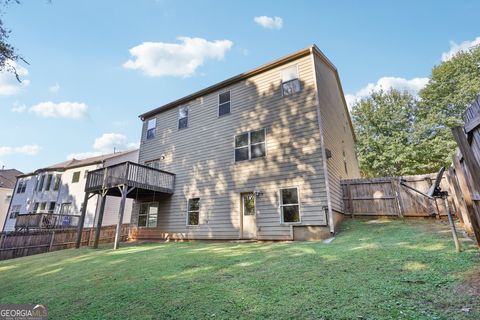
7	52
384	123
453	86
398	134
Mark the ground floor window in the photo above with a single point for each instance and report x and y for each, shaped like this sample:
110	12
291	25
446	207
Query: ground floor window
148	214
289	205
15	211
193	211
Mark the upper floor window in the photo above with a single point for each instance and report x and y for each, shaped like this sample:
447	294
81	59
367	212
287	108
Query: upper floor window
290	82
40	184
250	145
76	177
151	128
193	214
182	117
35	207
48	184
15	211
289	205
56	184
224	103
22	186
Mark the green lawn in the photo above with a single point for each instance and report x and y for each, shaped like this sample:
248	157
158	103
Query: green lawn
387	270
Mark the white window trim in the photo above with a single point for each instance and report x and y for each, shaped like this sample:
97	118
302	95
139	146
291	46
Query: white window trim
148	203
154	128
249	146
218	106
281	76
188	212
280	205
188	117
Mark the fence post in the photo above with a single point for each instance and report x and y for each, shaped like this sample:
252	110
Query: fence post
350	201
396	191
1	240
467	197
52	237
458	200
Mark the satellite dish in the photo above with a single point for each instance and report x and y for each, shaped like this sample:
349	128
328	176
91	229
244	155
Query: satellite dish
435	188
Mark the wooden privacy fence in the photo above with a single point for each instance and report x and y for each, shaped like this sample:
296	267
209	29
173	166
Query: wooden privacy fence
466	168
387	197
20	244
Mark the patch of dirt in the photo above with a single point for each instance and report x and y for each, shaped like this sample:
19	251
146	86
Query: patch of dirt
471	284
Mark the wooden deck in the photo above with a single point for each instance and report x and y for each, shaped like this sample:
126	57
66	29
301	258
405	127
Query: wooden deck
144	179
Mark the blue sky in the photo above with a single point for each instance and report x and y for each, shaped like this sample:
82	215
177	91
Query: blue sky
81	96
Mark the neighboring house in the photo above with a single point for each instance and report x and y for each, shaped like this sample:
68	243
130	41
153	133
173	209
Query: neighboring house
59	190
257	156
7	185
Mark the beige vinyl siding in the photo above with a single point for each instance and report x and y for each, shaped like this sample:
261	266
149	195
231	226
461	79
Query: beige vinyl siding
337	133
202	157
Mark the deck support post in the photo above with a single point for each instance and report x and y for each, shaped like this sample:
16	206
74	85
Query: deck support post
82	220
98	229
118	233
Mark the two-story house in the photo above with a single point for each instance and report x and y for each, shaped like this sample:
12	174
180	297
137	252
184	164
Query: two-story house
257	156
7	184
57	193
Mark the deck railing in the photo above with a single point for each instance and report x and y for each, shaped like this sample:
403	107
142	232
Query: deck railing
46	221
131	174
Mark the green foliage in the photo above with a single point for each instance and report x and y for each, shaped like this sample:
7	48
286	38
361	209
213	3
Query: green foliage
7	52
389	270
399	134
384	125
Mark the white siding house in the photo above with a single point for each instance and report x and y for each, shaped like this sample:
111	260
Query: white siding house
60	189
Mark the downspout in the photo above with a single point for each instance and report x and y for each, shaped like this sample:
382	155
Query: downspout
9	205
322	147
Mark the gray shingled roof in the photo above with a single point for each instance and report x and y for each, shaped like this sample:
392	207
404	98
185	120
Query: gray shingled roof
75	163
8	178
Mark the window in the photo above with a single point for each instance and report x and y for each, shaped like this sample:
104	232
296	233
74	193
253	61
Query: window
151	128
48	184
40	184
22	186
66	208
56	185
223	103
153	163
289	205
15	211
76	177
43	206
290	82
193	212
147	216
35	207
51	207
182	118
250	145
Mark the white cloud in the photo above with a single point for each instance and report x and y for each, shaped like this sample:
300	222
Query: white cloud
269	22
106	143
459	47
9	84
29	150
386	83
55	88
19	108
157	59
69	110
